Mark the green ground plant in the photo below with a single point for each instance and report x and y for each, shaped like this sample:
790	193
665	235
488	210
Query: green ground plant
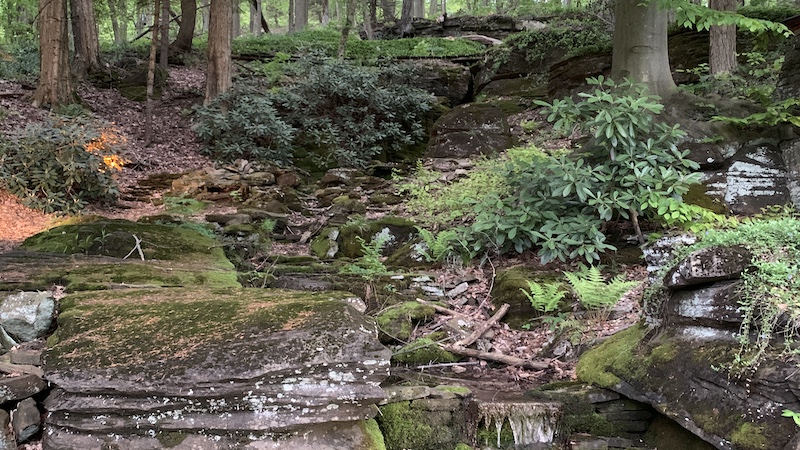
370	265
593	291
20	62
334	114
50	167
560	202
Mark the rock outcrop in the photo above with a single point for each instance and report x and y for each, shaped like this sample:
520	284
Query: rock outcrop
683	367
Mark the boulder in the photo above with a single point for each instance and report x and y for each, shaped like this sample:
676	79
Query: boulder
26	316
789	80
470	130
443	79
708	265
241	367
26	420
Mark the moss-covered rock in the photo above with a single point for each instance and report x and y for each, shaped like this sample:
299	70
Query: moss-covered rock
396	322
508	287
423	351
406	427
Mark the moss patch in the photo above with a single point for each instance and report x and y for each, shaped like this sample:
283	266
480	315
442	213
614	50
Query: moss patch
423	351
137	327
396	322
617	355
374	435
405	427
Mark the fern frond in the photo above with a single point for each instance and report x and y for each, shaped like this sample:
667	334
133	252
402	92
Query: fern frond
593	292
544	297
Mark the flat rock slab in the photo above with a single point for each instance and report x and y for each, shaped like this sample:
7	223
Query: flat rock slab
139	363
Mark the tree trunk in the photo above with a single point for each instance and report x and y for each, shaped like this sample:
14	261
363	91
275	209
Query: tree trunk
151	75
55	86
183	41
640	46
418	8
326	13
433	9
218	73
261	21
163	27
290	24
206	18
405	26
722	41
85	37
388	9
115	22
300	15
236	20
348	23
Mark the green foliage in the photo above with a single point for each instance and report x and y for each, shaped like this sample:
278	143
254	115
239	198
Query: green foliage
592	290
692	15
794	415
370	265
545	296
49	167
438	247
754	79
435	201
574	36
559	202
20	62
785	111
775	12
332	113
325	42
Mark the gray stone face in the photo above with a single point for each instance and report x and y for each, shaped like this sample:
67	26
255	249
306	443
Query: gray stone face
470	130
714	306
27	315
26	420
708	265
271	363
752	180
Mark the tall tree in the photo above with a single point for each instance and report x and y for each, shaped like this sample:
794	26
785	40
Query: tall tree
388	8
151	73
183	41
236	20
55	86
300	15
722	41
218	72
259	22
405	26
85	36
640	46
118	10
348	24
163	28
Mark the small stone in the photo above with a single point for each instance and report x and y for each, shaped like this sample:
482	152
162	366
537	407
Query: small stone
17	388
27	315
26	420
289	179
458	290
7	440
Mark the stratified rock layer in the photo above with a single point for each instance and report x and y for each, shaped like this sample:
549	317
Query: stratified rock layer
240	368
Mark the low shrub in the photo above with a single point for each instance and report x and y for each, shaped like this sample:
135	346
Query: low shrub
61	165
334	113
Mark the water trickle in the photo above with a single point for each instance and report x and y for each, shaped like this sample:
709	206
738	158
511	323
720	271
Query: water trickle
531	423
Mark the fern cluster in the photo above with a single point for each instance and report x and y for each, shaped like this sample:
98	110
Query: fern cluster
592	290
545	297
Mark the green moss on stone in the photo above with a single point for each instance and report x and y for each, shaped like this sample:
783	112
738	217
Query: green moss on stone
407	428
131	328
749	436
374	435
423	351
397	322
462	446
615	356
171	439
458	390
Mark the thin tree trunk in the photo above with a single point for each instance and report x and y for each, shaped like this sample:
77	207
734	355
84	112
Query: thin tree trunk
115	22
433	8
369	20
291	24
183	41
262	21
722	41
206	17
405	27
348	23
55	86
163	28
300	15
236	20
218	73
151	77
326	13
640	46
388	8
418	8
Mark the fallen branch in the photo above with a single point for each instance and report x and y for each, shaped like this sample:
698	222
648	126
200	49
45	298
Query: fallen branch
499	357
136	247
431	366
444	310
478	332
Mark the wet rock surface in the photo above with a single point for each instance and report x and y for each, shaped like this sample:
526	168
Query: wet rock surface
240	362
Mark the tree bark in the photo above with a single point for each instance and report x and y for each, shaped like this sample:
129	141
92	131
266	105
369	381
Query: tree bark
261	21
55	86
722	41
85	37
348	24
183	41
163	28
118	11
418	8
218	73
236	20
151	76
640	46
388	9
300	15
326	13
405	26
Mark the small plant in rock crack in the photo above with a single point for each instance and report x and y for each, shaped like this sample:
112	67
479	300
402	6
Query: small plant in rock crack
592	290
370	265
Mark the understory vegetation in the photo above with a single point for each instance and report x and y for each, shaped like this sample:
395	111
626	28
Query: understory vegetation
330	112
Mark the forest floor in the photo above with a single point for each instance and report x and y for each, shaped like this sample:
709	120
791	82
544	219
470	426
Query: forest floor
176	150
